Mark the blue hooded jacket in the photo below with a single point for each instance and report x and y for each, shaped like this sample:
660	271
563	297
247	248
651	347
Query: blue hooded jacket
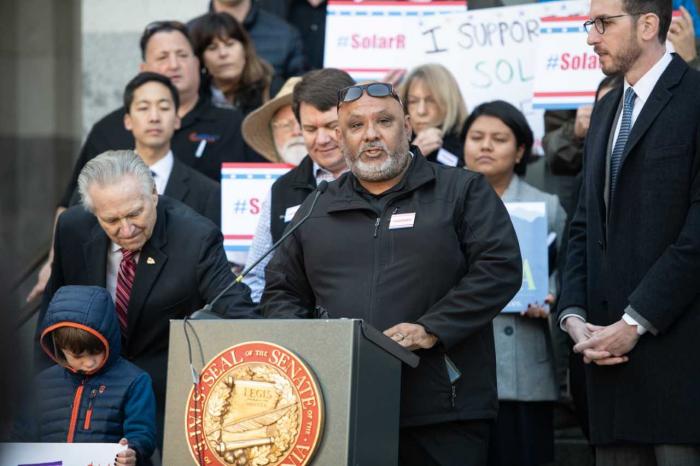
111	402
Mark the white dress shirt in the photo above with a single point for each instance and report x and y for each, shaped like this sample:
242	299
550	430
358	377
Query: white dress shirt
114	259
161	171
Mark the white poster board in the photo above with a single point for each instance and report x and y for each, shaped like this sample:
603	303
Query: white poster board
491	52
530	223
244	187
59	454
567	71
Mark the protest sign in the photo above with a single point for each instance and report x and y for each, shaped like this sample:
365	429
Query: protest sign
530	223
568	70
59	454
244	187
491	52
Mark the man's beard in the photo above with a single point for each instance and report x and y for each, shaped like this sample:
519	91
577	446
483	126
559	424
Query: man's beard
625	59
294	151
392	166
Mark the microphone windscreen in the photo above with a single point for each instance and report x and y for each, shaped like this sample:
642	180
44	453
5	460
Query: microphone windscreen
322	186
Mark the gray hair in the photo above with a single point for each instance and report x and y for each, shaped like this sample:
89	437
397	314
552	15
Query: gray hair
110	168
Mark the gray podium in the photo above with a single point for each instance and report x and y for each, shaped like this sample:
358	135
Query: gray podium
357	368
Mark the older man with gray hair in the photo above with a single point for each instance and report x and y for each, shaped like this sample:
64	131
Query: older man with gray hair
158	258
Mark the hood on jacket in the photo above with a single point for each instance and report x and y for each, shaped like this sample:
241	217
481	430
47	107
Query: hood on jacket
89	308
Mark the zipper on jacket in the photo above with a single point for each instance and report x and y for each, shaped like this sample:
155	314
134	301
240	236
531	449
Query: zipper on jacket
88	414
375	266
453	398
75	411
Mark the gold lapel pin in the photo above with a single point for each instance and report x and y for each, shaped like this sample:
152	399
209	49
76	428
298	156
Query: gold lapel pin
150	261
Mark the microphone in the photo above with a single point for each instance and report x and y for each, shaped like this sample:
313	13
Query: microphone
206	311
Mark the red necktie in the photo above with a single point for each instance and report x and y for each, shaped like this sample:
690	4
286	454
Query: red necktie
125	280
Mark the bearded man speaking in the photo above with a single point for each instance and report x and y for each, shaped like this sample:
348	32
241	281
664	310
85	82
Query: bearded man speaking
425	253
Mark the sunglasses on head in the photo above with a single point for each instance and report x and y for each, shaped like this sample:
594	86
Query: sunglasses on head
158	26
352	93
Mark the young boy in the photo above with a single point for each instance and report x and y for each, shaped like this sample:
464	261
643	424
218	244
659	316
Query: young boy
92	394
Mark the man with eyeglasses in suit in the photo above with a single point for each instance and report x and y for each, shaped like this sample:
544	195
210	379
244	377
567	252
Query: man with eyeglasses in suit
630	294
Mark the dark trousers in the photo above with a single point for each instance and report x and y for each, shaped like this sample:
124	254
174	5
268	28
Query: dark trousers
522	435
457	443
648	455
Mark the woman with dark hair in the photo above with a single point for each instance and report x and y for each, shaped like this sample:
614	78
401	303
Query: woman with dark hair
497	143
234	74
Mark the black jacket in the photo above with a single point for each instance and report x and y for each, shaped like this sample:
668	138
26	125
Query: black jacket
195	190
643	251
288	191
452	272
310	20
221	128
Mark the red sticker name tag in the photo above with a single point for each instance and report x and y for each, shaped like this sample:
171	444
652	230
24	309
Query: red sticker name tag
402	221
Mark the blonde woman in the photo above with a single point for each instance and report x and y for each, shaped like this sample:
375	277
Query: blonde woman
435	104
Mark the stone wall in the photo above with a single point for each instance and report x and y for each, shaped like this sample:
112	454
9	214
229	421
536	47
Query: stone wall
110	49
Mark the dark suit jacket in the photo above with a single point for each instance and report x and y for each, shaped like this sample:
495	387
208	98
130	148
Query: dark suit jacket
188	268
195	190
645	253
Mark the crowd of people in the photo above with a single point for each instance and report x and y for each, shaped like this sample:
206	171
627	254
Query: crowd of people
408	232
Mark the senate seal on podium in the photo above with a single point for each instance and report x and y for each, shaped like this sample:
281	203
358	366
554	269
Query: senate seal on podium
256	404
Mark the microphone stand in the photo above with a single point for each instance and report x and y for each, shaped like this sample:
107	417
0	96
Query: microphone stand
206	312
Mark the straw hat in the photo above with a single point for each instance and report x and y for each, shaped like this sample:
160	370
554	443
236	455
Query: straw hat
256	126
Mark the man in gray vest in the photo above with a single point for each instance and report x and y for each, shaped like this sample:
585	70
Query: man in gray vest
314	105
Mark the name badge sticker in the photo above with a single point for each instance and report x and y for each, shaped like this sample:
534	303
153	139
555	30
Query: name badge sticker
447	158
289	213
399	221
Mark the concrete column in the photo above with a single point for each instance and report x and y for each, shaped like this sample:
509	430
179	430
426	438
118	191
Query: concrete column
40	117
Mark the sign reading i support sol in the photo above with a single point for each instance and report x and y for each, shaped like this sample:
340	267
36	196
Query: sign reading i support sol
244	188
490	52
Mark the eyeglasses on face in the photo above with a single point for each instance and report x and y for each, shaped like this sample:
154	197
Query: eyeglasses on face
602	21
352	93
284	125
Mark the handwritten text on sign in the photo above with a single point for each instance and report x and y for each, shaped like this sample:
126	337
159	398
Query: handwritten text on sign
491	52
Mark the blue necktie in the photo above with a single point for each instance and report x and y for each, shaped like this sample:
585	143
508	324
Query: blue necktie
625	127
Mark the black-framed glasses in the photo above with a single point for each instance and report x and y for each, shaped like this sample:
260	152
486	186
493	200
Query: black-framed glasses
352	93
601	21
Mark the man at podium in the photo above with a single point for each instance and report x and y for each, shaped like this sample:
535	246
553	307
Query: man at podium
424	252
